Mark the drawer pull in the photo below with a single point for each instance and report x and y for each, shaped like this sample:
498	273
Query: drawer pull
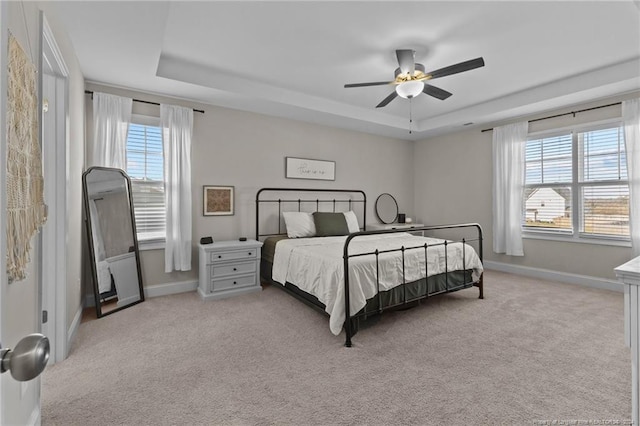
219	257
235	282
249	253
235	269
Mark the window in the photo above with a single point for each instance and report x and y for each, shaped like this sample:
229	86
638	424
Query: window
145	168
576	183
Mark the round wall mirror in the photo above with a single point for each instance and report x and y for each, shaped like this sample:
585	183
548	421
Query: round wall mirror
386	208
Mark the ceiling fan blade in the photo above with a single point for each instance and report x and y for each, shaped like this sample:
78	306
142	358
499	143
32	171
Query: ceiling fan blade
375	83
406	60
455	69
388	99
436	92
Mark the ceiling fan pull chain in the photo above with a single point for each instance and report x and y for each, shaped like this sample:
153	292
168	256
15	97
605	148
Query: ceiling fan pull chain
410	114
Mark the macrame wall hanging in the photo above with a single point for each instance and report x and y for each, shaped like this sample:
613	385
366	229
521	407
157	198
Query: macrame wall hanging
26	210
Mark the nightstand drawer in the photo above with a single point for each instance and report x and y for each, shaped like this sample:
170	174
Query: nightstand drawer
233	255
233	282
233	269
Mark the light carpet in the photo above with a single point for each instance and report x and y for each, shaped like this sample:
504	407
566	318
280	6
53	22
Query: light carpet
530	351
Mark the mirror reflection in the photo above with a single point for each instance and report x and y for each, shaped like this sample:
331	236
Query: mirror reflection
111	233
386	208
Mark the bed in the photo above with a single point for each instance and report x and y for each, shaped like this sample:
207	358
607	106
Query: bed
388	269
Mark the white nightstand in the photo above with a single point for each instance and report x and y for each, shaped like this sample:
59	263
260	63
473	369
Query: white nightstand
407	226
229	268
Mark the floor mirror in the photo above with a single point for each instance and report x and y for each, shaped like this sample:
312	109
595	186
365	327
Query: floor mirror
112	240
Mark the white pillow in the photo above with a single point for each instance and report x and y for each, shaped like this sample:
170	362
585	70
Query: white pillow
299	224
352	221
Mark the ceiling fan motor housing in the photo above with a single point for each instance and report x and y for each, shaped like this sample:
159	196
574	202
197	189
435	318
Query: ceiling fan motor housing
419	71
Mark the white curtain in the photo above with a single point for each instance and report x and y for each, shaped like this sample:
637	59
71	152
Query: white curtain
508	187
177	126
631	120
111	118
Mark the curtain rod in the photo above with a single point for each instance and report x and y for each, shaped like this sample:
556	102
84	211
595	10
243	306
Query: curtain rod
89	92
565	113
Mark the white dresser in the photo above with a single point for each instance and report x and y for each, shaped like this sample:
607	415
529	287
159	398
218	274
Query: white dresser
407	226
629	275
229	268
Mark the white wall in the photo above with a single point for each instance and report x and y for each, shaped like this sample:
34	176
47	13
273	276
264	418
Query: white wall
247	150
445	179
453	177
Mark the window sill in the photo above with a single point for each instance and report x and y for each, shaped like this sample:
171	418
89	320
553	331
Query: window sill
573	239
158	244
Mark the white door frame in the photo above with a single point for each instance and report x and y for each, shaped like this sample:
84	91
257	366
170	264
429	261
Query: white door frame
54	258
3	173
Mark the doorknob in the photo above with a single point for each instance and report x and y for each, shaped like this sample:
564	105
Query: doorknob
28	359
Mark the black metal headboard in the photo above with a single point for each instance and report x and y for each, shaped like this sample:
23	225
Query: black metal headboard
350	199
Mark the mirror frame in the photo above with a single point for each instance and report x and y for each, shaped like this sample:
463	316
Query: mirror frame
378	213
92	253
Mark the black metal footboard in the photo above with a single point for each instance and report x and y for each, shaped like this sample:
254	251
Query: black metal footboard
350	324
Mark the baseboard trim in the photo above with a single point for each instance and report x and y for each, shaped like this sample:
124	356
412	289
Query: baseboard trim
73	330
155	291
170	288
547	274
89	301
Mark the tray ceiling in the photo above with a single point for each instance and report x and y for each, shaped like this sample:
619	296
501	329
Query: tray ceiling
292	59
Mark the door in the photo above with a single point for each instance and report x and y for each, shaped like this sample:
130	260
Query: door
20	300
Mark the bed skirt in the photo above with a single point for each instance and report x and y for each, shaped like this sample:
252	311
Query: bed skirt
398	296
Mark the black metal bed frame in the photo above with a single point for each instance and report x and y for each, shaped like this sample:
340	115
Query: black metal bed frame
299	201
351	321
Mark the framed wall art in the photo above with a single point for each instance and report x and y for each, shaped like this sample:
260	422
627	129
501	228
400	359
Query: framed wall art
305	168
218	201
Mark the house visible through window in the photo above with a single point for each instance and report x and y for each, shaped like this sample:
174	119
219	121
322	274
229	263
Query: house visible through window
145	168
576	183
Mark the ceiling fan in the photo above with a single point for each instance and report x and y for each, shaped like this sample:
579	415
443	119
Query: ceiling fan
410	78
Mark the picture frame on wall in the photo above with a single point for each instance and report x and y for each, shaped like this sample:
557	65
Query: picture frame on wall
218	200
307	168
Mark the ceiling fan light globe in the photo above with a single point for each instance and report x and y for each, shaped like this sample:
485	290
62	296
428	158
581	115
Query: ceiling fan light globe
409	89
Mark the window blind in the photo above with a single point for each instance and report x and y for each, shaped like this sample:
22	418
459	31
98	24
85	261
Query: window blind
548	165
605	193
549	160
603	155
578	181
145	168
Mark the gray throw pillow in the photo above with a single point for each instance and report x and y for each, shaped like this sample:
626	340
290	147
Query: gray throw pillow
330	224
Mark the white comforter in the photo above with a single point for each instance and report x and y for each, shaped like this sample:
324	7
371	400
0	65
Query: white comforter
315	265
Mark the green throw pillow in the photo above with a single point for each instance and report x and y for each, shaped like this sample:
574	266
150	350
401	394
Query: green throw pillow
330	224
